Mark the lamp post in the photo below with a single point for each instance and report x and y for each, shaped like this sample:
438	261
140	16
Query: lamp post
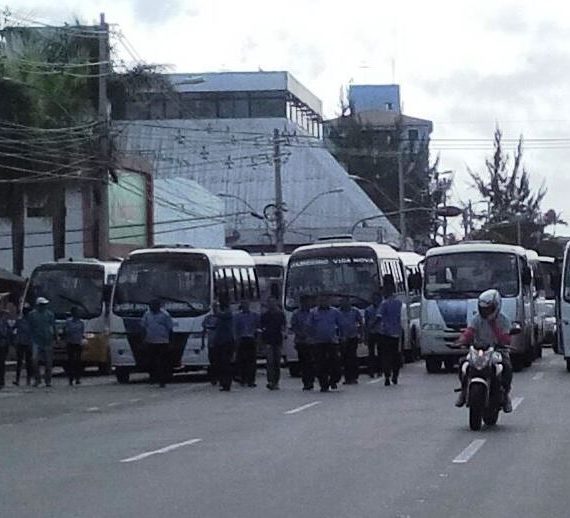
313	200
388	214
252	210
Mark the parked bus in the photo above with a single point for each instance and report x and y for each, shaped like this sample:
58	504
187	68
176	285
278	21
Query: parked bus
87	285
187	280
270	269
340	269
454	277
548	276
563	346
413	265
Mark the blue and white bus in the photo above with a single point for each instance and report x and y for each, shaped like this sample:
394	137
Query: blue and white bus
187	280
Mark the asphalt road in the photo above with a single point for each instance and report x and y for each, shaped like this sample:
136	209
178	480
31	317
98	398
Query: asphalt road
108	450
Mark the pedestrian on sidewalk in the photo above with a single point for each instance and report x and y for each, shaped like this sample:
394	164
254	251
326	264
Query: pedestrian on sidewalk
305	350
74	336
350	329
157	329
5	336
325	326
42	329
273	325
246	325
23	346
223	344
372	330
208	329
391	331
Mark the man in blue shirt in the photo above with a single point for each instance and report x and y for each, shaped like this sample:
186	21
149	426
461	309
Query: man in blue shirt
305	351
372	326
350	331
391	331
246	325
325	325
74	331
223	344
23	343
157	327
273	326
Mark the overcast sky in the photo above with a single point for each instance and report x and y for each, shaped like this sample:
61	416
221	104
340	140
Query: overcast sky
466	65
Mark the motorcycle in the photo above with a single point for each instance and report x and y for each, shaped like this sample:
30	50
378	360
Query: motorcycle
482	371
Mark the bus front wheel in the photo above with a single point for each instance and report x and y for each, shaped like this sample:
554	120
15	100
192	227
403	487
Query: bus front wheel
433	365
568	364
122	374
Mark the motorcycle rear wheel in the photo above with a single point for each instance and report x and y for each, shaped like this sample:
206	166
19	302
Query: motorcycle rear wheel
476	406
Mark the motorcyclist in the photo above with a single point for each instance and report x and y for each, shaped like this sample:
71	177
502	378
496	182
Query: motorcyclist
489	326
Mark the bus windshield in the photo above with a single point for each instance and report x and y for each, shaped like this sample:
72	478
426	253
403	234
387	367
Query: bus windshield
335	275
180	281
270	279
66	286
467	275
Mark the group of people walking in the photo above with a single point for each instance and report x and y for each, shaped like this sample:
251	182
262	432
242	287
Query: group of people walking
33	335
327	339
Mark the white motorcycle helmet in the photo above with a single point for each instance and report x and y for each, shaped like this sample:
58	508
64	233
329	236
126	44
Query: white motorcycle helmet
489	304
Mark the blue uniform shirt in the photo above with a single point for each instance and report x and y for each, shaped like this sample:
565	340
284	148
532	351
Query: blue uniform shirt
300	326
157	327
74	329
23	333
325	325
372	318
391	317
246	324
350	321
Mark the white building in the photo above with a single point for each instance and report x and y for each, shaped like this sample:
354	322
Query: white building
219	132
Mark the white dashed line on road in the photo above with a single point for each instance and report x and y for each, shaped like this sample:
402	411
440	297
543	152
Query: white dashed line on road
517	401
93	409
166	449
466	455
135	400
113	404
301	408
538	376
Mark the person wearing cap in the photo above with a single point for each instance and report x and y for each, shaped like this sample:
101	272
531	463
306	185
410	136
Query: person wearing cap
42	330
157	328
23	345
74	332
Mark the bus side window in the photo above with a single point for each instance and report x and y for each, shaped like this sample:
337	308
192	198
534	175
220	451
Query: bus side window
245	284
253	283
231	285
240	291
221	288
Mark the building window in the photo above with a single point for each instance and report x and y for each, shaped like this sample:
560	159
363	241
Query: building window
268	106
413	135
389	107
233	108
199	108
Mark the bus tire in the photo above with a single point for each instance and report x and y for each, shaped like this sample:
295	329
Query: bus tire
517	362
449	364
433	365
122	374
104	368
568	364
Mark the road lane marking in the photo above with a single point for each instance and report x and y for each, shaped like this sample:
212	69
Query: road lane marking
135	400
301	408
113	404
517	401
375	380
166	449
538	376
93	409
466	455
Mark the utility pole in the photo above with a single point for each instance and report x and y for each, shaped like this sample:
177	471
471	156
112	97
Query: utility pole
102	187
402	201
279	220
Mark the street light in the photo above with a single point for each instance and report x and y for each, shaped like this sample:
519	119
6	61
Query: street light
253	212
388	214
313	200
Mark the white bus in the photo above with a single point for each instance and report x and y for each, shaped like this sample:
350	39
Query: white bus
270	269
563	345
340	269
413	265
454	277
546	281
187	280
87	285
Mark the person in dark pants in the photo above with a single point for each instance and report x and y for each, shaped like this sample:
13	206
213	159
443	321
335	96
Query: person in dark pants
223	345
325	325
42	329
157	327
208	329
246	325
273	326
23	345
391	331
74	333
350	331
5	331
372	328
305	350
